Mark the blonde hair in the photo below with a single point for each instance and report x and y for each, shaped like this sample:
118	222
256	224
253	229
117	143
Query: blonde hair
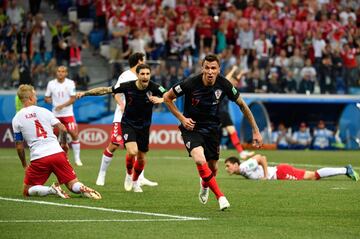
25	91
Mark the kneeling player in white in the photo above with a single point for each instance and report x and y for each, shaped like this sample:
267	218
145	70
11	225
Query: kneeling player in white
257	167
34	125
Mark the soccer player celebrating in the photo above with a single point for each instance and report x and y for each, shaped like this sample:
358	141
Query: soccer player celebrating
116	138
60	92
140	97
257	167
200	121
35	125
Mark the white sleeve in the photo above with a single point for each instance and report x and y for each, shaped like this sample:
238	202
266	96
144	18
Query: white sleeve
48	90
15	125
249	165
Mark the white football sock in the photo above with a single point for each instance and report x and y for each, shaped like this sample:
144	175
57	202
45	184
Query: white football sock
76	187
105	162
40	190
328	172
76	150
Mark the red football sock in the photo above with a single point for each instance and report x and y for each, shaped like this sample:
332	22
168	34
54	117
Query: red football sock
236	142
209	179
129	160
205	184
138	168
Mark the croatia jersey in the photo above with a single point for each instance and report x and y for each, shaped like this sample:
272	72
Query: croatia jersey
126	76
252	170
34	125
61	93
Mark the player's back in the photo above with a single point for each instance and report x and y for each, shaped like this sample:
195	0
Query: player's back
35	125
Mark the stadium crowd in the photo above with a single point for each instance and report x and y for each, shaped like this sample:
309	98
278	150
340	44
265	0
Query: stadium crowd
284	46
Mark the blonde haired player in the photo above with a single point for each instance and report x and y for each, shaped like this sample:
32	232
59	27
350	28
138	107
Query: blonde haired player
34	125
61	93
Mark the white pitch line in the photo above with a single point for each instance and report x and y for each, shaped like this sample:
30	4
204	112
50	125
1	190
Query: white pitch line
91	220
104	209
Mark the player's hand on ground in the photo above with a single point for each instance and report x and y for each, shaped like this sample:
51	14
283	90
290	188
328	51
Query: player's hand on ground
155	99
257	140
79	95
188	123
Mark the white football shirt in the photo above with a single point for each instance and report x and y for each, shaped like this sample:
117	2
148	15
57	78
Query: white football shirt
61	93
126	76
35	123
252	170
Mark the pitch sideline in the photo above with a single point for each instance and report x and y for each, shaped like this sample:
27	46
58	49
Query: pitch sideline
170	217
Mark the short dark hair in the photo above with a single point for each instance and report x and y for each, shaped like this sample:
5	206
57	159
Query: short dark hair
135	58
142	66
232	160
211	58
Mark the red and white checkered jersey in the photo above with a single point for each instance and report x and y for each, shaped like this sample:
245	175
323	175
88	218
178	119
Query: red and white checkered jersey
126	76
35	123
61	93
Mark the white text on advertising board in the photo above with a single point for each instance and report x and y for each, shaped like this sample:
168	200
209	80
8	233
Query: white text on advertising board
165	137
93	136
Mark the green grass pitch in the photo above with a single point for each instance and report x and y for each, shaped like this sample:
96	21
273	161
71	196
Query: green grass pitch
329	208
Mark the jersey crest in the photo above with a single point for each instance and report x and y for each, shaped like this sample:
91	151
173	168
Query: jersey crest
218	93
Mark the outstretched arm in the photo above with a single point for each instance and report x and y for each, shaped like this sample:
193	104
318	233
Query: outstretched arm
169	98
257	138
96	91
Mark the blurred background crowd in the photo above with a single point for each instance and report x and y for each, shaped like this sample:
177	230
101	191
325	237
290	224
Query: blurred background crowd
276	46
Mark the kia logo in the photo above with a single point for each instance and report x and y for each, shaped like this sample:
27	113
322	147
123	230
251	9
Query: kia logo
93	136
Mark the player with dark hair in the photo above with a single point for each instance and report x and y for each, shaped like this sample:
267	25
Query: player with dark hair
34	125
140	97
257	167
200	123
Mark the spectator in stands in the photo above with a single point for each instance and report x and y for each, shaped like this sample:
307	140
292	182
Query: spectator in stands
82	79
327	76
15	13
323	137
263	49
117	31
319	46
282	137
160	37
296	63
289	84
23	39
59	41
301	139
246	37
75	59
100	11
139	42
348	55
308	71
25	70
254	83
273	82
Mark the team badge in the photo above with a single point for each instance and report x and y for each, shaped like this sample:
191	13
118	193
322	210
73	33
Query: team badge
178	89
126	136
218	94
188	144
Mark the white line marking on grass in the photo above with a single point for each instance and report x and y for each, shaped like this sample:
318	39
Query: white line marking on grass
92	220
104	209
339	188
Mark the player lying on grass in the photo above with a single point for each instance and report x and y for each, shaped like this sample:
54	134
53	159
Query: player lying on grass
257	168
34	125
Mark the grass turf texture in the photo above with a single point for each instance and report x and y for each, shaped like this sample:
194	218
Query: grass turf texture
328	208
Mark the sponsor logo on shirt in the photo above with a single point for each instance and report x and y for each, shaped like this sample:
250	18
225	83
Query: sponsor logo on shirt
188	144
